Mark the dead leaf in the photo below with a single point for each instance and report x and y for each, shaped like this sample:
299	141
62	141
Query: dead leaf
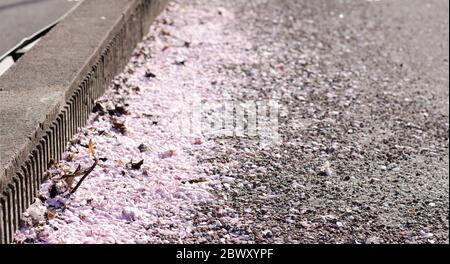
150	75
119	125
91	147
69	181
137	166
143	148
53	163
99	108
74	141
131	69
167	22
199	180
119	110
78	171
165	33
53	191
70	157
167	154
51	214
197	141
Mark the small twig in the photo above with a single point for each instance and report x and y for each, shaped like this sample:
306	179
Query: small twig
77	173
84	177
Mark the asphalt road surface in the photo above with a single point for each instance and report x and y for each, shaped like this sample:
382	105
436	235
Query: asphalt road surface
365	87
22	18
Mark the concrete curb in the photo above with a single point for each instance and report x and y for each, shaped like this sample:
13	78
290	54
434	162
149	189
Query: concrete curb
49	93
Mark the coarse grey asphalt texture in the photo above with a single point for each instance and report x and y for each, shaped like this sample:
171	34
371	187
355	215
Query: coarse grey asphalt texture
20	19
365	88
